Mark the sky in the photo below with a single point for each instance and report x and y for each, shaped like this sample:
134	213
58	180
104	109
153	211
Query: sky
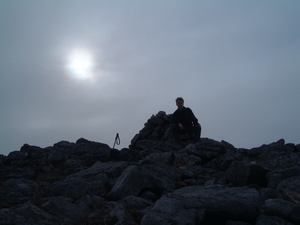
91	69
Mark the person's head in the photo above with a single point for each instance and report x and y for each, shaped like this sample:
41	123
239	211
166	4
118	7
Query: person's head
179	102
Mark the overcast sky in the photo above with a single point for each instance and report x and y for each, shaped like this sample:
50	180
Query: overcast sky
91	69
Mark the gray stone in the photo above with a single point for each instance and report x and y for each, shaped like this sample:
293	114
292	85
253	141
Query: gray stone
28	214
56	157
214	200
20	190
284	209
241	173
207	149
134	179
16	158
231	222
66	209
264	219
276	176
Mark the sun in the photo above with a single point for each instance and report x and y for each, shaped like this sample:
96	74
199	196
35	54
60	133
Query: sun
80	64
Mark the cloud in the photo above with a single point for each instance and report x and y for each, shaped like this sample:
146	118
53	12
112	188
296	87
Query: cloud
236	65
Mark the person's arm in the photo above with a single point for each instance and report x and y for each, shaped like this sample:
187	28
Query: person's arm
175	118
193	118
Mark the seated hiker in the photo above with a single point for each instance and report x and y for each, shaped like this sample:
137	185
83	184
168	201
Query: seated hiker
184	121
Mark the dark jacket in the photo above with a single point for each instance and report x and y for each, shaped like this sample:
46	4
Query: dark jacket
185	116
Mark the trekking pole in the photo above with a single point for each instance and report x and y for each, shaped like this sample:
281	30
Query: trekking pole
117	140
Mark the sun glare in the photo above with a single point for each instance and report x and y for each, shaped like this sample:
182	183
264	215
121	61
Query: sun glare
80	65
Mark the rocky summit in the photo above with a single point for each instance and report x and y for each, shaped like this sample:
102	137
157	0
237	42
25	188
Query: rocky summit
154	181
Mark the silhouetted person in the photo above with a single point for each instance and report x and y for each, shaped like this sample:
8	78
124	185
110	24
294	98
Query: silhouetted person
184	121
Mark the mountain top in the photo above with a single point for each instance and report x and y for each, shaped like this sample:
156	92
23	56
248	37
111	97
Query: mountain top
155	180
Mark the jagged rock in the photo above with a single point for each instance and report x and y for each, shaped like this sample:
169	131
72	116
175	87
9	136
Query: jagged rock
271	220
191	205
1	163
93	180
161	157
154	181
122	215
223	161
206	149
130	155
66	209
255	152
37	156
231	222
290	189
183	159
283	209
134	179
240	174
15	158
65	145
154	144
134	203
270	193
276	176
298	148
279	160
28	214
72	166
56	157
19	190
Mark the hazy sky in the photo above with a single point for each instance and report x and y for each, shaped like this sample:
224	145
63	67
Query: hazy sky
71	69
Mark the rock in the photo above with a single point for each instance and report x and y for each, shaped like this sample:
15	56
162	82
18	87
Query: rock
131	182
64	145
134	179
276	176
130	155
28	214
161	157
270	193
72	166
183	159
86	182
207	149
298	148
283	209
122	215
154	181
231	222
134	203
66	209
20	190
56	157
240	174
16	158
223	161
212	201
271	220
154	144
290	189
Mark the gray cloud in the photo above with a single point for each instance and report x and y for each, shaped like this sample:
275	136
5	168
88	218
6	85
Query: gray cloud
236	64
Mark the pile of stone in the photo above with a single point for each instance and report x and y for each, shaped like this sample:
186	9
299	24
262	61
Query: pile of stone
155	181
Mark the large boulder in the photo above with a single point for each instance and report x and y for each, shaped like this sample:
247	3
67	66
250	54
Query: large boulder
67	209
135	179
207	149
240	174
193	205
290	189
283	209
28	214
